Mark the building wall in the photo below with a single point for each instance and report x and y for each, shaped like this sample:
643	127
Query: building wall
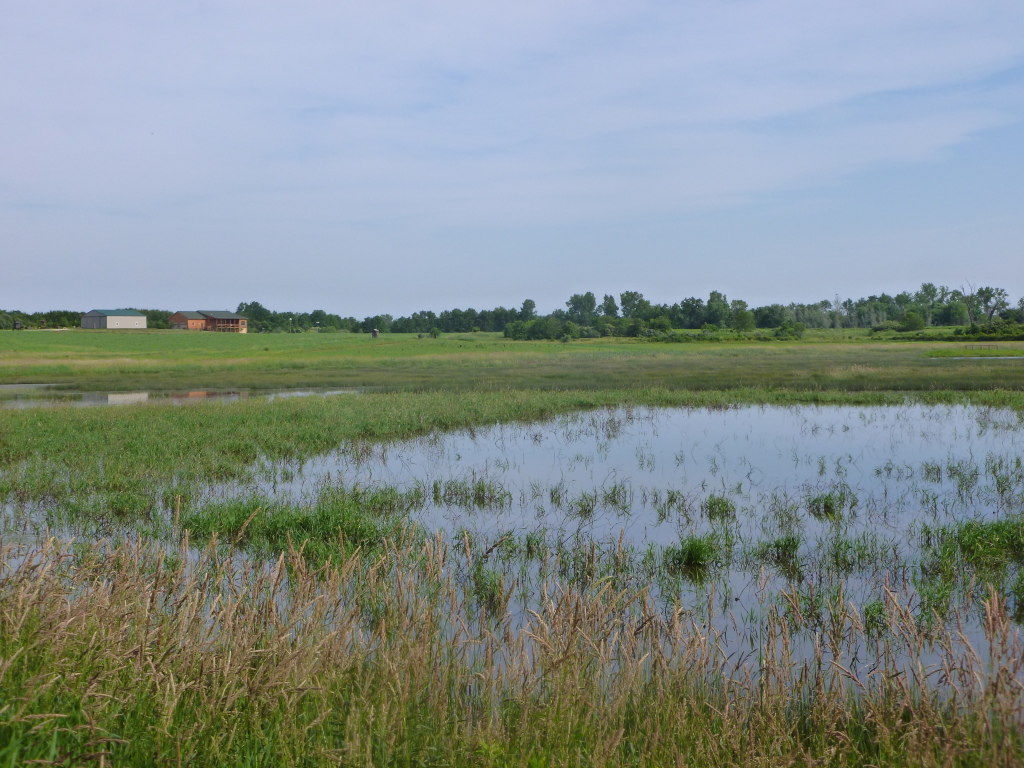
123	322
182	323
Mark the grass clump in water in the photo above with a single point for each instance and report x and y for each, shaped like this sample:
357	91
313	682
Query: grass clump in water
692	555
339	521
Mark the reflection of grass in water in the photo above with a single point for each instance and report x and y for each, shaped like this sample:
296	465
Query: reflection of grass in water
782	553
479	493
833	503
718	507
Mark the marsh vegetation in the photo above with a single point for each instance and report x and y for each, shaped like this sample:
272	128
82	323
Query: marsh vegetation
516	579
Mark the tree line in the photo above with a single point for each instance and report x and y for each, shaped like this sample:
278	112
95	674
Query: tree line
629	314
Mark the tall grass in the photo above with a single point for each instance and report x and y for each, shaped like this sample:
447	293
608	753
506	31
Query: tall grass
131	655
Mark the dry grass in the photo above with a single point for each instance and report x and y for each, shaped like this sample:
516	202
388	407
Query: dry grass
129	655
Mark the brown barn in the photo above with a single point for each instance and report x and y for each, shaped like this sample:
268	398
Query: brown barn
187	321
209	320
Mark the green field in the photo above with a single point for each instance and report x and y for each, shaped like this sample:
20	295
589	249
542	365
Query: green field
845	360
163	601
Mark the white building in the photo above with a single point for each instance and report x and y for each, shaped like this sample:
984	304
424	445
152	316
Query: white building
114	318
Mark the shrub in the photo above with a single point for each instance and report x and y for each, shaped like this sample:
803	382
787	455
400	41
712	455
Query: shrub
912	321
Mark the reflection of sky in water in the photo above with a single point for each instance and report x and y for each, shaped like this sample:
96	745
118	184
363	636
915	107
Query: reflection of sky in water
761	458
905	466
23	396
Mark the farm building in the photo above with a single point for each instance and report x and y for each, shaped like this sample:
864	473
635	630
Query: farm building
187	321
209	320
113	318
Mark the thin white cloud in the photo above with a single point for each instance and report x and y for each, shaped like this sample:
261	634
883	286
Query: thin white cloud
455	113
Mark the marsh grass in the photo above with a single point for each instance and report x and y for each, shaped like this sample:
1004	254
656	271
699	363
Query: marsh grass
693	556
338	521
260	629
125	655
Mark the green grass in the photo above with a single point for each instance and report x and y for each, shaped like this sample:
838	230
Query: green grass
257	630
337	522
169	360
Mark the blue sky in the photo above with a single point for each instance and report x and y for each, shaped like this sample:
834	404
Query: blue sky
396	156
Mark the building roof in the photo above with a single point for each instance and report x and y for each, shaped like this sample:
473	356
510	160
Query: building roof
221	315
115	312
190	315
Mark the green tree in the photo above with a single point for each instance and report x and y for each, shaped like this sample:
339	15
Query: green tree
634	305
992	300
742	318
927	298
582	308
608	306
717	310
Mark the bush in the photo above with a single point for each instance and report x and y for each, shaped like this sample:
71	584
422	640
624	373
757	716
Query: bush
912	321
790	330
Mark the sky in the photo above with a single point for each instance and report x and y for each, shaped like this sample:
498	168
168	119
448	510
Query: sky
396	156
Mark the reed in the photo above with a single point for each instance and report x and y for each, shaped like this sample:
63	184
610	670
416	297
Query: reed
136	655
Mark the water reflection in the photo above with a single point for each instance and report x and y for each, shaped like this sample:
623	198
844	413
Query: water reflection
832	503
39	396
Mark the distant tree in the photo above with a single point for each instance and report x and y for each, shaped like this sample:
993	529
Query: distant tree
742	318
254	311
516	330
608	306
717	311
529	310
156	318
633	304
952	313
927	297
691	313
770	316
381	322
969	297
992	300
582	308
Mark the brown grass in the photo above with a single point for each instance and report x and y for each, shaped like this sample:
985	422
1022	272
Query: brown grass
129	654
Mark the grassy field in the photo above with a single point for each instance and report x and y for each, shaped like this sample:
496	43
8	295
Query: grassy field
155	610
161	360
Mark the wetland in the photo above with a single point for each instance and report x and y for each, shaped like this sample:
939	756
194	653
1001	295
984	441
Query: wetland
518	576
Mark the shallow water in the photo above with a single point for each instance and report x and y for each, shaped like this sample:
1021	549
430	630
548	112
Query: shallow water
893	465
40	396
610	493
855	487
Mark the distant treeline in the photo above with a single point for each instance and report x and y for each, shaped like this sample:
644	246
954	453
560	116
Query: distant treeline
630	314
65	318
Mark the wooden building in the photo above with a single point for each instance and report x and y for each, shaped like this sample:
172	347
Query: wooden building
114	318
209	320
187	321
